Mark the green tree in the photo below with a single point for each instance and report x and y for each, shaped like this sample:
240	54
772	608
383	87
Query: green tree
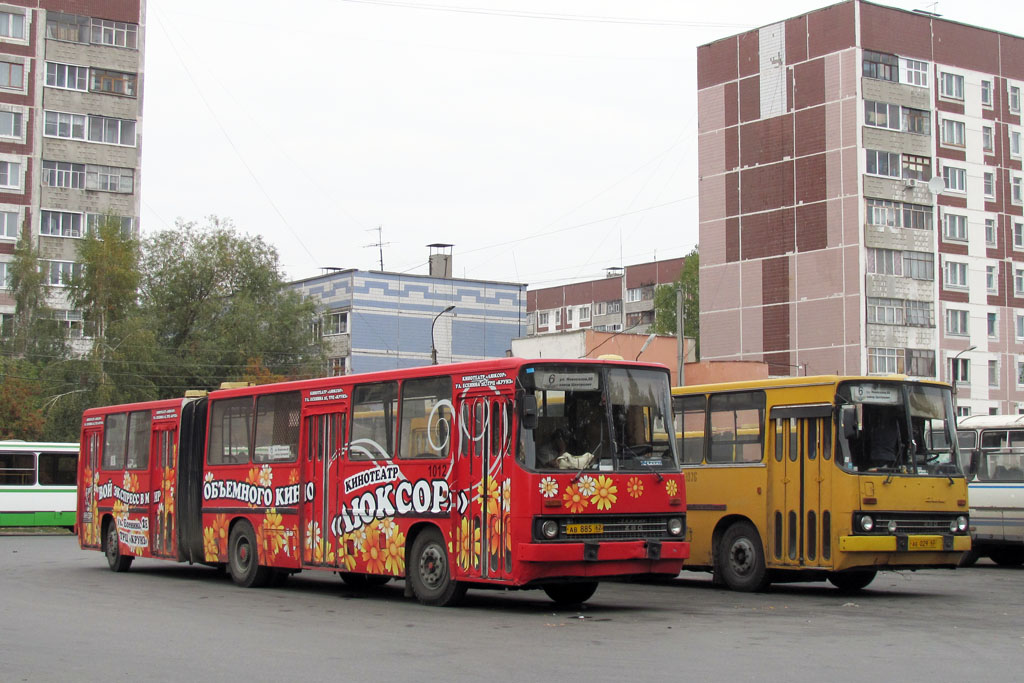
688	282
21	414
106	289
34	334
217	305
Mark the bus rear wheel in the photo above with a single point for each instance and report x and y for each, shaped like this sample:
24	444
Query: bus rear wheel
853	581
112	549
571	593
740	559
429	572
243	558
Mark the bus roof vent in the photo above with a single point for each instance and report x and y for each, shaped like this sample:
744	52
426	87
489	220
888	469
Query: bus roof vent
236	385
196	393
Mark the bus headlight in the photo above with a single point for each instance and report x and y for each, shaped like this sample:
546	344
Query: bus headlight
891	526
675	526
549	528
958	525
866	523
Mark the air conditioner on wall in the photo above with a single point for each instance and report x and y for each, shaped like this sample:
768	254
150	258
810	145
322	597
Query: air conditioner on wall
910	182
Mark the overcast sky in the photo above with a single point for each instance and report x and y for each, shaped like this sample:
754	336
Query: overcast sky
547	140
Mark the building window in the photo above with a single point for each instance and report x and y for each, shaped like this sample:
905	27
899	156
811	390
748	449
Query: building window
986	93
542	319
5	277
915	72
568	314
992	279
1020	327
920	313
633	295
986	139
336	366
12	75
60	223
109	178
1016	194
129	228
599	308
883	212
71	322
954	178
881	66
112	131
1014	143
9	224
917	216
917	167
951	85
885	361
10	124
1015	99
1018	281
12	25
335	323
584	313
989	181
953	132
956	275
10	174
58	124
993	326
66	76
917	121
882	115
882	163
614	307
960	369
558	316
954	227
63	174
885	311
956	322
70	27
885	261
1020	376
114	33
113	82
919	265
920	363
990	232
59	273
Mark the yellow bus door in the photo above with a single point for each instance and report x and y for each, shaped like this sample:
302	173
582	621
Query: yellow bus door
799	486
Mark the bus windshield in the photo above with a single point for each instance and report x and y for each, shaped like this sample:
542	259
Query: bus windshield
607	419
897	428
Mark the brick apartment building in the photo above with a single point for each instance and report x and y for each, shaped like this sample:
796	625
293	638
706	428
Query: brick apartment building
71	75
622	301
861	199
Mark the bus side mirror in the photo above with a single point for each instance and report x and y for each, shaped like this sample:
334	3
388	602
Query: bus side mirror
848	421
973	464
528	412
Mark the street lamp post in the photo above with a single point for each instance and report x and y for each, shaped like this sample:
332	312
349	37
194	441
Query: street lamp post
433	349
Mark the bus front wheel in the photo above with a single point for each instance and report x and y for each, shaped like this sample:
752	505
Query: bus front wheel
571	593
740	561
243	558
1007	556
115	560
852	581
429	571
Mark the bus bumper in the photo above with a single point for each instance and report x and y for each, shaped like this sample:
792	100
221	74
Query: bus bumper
597	551
904	543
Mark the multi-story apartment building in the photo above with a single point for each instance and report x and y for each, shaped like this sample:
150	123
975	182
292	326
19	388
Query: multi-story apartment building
861	199
373	320
622	301
71	76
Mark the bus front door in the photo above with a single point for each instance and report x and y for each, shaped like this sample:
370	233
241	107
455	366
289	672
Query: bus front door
164	462
321	479
88	517
799	516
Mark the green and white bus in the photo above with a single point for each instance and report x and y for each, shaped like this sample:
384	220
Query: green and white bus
37	484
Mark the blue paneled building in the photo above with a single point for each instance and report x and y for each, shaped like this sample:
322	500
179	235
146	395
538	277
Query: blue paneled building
382	321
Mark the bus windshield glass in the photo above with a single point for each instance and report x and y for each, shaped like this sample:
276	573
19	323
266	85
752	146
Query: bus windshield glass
896	428
606	419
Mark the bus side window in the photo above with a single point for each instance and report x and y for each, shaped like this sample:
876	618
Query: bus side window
277	428
426	418
115	437
374	408
691	411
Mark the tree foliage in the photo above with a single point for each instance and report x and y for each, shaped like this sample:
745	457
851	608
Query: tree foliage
688	282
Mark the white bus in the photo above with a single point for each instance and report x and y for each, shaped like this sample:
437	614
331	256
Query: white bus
995	446
37	483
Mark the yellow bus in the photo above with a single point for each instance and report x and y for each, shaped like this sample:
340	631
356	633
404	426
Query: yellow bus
828	477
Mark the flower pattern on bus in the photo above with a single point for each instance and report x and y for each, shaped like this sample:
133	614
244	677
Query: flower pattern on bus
671	487
635	487
468	544
346	561
587	486
394	552
494	528
506	521
91	532
506	495
273	536
373	554
493	496
313	549
548	487
574	499
215	539
604	495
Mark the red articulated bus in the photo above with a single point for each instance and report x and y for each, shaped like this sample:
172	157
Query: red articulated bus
505	473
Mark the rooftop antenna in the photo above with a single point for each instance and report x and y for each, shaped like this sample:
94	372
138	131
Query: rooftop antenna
380	243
